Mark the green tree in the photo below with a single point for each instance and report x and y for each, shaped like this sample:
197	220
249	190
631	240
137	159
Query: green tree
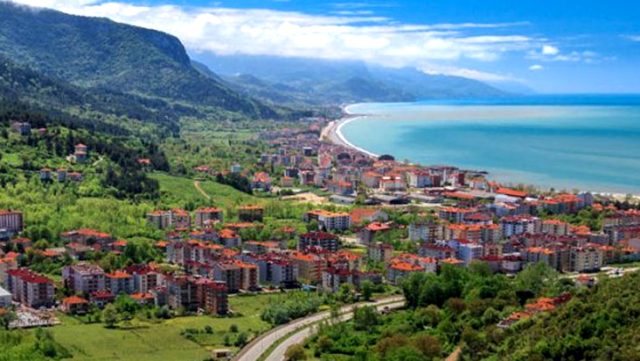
295	353
110	316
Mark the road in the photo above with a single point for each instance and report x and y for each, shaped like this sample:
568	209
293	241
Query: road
257	347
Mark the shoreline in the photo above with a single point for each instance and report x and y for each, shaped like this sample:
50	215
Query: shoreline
332	133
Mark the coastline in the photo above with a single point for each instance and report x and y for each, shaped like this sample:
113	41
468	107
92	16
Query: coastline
332	133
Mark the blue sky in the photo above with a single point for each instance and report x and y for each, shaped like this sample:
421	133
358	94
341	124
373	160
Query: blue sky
551	46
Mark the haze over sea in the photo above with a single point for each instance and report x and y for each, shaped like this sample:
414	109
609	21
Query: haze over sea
565	142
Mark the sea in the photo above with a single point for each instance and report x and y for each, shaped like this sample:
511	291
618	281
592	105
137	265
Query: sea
564	142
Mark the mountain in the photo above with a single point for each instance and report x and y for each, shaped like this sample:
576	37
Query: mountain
96	53
316	81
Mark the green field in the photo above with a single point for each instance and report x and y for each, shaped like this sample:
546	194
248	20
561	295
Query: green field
146	341
180	192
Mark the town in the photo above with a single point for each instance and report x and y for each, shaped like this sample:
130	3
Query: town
377	221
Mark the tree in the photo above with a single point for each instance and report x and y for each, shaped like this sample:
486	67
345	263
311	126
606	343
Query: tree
241	340
295	353
428	345
365	318
110	316
367	290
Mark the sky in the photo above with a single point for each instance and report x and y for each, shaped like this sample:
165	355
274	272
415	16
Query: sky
550	46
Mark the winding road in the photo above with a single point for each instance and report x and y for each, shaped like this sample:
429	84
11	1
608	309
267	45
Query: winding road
297	331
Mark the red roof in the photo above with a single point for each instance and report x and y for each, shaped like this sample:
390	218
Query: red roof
511	192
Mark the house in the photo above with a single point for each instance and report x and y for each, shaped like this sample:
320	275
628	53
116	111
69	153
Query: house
371	179
555	227
393	184
329	221
11	221
45	174
322	240
368	215
419	179
143	299
22	128
230	273
102	298
436	251
30	289
260	247
84	278
80	153
206	217
286	182
251	213
520	224
588	258
261	181
367	234
177	218
86	236
343	188
75	305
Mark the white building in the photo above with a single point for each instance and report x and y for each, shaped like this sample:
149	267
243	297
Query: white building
5	298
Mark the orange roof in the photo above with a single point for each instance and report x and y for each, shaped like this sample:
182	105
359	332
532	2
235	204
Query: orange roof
453	261
227	233
74	300
118	275
405	267
511	192
359	213
142	296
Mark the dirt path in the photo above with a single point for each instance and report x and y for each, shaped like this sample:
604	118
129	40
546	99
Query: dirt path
455	355
204	194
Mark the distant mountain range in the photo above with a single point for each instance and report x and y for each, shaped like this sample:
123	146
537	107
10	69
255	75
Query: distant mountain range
312	81
118	76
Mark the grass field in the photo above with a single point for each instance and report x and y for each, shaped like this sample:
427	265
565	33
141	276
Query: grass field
178	192
161	341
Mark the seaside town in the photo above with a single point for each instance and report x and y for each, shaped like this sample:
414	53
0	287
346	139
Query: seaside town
369	220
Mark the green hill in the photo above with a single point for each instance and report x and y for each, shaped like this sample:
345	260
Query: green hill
98	53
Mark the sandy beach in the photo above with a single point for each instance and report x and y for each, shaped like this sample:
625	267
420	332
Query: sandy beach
333	132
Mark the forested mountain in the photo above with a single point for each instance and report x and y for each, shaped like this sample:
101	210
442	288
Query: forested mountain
315	81
101	54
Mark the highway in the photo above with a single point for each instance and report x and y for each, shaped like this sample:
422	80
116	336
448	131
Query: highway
296	331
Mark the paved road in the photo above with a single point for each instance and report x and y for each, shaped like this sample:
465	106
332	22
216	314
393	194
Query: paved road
256	348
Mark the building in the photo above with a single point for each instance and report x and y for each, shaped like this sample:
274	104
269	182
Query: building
11	221
145	278
329	221
520	224
119	282
367	234
176	218
251	213
309	265
322	240
379	252
84	278
261	181
80	153
30	289
86	236
589	258
425	231
5	298
212	296
206	217
368	215
75	305
22	128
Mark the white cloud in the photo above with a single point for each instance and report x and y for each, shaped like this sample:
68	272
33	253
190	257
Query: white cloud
468	73
632	37
354	35
536	67
550	50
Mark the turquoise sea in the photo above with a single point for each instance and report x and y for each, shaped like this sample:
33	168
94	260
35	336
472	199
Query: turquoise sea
565	142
